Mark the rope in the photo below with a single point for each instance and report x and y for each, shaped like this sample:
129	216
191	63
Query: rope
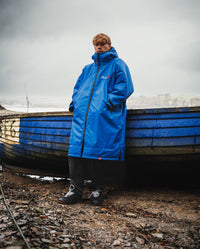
20	231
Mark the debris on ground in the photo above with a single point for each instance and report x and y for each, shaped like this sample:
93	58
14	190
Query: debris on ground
147	218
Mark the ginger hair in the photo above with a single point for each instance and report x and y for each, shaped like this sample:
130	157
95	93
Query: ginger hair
101	38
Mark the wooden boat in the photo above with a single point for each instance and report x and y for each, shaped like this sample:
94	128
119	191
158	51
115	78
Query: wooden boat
37	143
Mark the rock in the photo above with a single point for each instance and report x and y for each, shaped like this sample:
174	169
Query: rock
132	215
73	246
47	241
98	241
140	241
66	240
14	247
66	246
116	243
22	222
39	210
127	237
3	226
158	235
128	244
65	236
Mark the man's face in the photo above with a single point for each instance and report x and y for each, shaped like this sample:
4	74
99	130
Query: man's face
102	47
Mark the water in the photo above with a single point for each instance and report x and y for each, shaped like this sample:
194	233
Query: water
45	178
18	108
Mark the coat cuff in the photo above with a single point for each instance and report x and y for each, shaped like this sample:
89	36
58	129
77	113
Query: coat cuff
71	107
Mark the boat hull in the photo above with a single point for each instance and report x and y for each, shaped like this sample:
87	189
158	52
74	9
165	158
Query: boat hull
38	142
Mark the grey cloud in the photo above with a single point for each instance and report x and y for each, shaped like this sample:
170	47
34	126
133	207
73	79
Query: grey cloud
45	43
190	56
186	57
35	18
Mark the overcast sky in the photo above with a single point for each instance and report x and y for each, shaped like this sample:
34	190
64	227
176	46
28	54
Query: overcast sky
44	44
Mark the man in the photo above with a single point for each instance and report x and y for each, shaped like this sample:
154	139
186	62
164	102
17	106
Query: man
99	119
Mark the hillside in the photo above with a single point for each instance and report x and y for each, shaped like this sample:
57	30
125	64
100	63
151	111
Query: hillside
4	111
1	107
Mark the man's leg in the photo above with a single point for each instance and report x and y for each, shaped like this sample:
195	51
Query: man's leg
76	171
97	185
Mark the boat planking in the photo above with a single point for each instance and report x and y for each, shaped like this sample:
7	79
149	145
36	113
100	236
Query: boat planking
37	143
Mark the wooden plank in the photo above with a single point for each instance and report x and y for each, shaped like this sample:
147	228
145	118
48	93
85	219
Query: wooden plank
10	128
163	150
38	114
46	131
38	146
48	118
23	150
53	138
166	123
164	110
160	142
163	132
129	112
46	124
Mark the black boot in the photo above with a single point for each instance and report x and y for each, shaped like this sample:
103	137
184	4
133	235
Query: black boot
74	195
97	185
96	197
76	171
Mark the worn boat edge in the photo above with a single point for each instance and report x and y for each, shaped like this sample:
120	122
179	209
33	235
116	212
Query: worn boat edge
129	111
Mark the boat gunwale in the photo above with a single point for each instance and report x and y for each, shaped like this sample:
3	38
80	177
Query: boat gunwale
141	111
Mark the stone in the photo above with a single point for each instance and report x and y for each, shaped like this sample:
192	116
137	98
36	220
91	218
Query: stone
66	240
47	241
66	246
116	242
14	247
128	244
39	210
132	215
73	246
140	241
158	235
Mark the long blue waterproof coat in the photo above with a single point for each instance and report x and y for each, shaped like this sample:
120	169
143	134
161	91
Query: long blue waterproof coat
99	104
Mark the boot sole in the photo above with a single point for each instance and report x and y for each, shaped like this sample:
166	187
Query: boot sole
69	202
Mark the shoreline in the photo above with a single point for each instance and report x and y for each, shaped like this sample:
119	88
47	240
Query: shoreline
139	217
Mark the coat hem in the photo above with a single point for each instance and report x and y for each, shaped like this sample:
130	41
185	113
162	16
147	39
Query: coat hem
97	158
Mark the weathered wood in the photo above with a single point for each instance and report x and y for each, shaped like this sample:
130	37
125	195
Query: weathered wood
41	140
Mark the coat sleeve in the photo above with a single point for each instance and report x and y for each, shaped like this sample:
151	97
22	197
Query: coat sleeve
123	86
75	91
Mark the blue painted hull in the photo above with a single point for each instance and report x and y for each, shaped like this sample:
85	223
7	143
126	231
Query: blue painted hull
38	142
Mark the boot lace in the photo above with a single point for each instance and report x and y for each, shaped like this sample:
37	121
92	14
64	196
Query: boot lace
96	193
71	190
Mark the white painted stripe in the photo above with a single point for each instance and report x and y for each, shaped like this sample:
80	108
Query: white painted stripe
9	129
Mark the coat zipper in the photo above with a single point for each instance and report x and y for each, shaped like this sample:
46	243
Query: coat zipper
89	105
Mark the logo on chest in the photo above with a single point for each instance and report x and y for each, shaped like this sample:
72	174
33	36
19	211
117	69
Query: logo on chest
105	77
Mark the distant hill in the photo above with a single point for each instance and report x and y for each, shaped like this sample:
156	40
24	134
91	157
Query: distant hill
2	108
162	100
4	111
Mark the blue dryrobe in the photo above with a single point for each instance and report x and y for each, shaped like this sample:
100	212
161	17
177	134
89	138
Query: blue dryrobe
99	103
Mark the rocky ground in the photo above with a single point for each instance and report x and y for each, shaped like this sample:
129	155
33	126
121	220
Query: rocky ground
138	217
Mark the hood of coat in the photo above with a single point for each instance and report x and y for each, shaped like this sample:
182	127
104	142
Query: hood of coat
105	56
